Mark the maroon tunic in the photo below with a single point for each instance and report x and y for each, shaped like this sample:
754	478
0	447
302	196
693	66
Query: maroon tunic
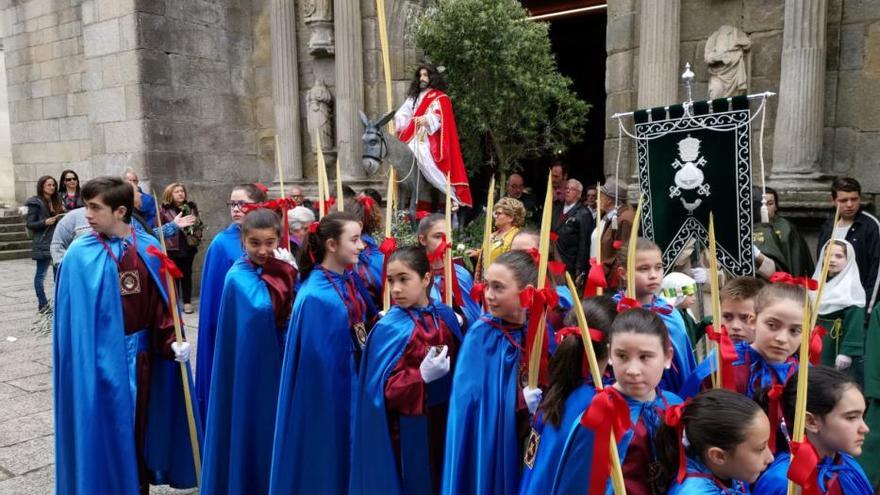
280	278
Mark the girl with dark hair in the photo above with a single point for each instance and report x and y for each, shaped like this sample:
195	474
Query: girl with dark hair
254	313
69	193
332	315
488	412
571	389
224	249
835	431
370	261
44	210
402	403
714	444
639	352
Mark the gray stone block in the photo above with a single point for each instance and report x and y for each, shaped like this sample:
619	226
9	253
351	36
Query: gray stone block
867	160
861	10
766	54
39	131
41	88
126	136
107	105
844	149
101	38
200	73
40	481
700	18
857	102
73	128
22	111
29	455
620	31
25	428
55	106
619	72
852	46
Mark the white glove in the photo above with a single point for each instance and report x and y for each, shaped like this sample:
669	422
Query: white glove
842	362
755	251
435	365
382	314
285	256
699	275
181	351
533	397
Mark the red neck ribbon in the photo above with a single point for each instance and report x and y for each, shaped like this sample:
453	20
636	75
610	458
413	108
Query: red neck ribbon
728	355
787	278
774	413
388	246
595	279
804	467
816	344
538	301
673	419
166	264
608	412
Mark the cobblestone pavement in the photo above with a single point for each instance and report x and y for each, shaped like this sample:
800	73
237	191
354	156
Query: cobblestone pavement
26	421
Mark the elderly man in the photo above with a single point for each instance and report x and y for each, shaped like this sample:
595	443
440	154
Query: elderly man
516	190
614	227
299	220
572	224
147	209
590	201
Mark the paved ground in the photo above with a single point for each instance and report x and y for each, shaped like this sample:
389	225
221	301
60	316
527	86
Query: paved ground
26	422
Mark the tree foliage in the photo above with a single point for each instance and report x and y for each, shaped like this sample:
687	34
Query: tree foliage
510	101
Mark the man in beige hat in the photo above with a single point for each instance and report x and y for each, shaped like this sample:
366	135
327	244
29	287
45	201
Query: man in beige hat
615	226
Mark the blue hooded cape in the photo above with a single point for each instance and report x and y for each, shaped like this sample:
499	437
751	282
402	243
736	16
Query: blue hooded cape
95	383
573	473
539	479
850	475
471	309
318	386
697	485
375	469
372	259
483	448
222	253
244	390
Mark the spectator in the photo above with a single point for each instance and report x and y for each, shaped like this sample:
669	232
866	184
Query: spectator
183	246
509	217
44	210
69	193
778	246
859	228
558	176
573	225
516	190
297	195
299	220
590	201
614	227
147	209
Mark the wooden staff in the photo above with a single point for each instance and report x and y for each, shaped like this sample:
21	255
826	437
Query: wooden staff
321	171
631	252
184	371
386	61
715	296
389	217
281	185
447	256
599	231
809	322
596	373
543	251
487	232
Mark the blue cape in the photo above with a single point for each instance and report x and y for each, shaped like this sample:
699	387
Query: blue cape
244	389
471	309
222	253
95	384
762	373
318	385
483	449
539	479
695	485
573	473
850	475
375	470
372	259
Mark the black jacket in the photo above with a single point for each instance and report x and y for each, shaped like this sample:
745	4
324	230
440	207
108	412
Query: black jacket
37	214
573	231
864	235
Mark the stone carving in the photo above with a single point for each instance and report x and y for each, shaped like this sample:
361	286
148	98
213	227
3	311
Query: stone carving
725	56
320	116
319	19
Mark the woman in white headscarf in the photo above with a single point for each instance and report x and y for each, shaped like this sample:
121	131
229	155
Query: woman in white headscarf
842	310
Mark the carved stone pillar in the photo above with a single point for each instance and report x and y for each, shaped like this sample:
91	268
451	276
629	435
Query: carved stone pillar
797	139
285	87
658	53
349	86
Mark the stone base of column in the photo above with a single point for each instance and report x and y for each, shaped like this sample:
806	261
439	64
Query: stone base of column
310	186
804	196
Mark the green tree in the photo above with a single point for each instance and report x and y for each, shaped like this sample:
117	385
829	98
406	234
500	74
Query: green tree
510	101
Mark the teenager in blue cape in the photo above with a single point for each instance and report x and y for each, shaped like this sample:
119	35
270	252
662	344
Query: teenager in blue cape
639	351
432	235
488	412
254	313
570	392
834	428
648	280
225	248
402	403
714	444
371	259
319	375
120	422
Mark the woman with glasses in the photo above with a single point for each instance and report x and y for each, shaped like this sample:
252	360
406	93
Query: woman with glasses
69	191
44	210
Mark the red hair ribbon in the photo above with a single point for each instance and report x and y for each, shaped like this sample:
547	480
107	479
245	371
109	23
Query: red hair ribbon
786	278
804	467
627	303
815	350
388	246
367	202
422	214
595	279
329	203
478	293
608	412
617	244
538	301
313	227
562	333
535	254
554	236
440	251
672	418
557	268
728	355
166	264
775	413
261	187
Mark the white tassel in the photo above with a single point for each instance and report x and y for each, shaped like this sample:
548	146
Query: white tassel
765	213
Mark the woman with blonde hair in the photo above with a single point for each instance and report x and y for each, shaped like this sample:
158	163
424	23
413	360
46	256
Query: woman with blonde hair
509	215
183	246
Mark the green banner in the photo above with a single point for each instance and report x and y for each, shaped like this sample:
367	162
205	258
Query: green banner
693	164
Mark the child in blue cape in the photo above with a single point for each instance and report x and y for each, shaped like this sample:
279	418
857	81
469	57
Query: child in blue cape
714	444
431	235
370	261
401	408
225	248
835	431
254	312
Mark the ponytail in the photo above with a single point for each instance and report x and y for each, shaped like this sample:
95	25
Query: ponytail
315	245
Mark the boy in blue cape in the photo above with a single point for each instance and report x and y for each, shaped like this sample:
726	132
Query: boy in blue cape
120	422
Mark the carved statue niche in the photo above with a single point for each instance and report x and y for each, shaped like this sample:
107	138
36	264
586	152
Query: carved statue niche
319	19
320	116
728	69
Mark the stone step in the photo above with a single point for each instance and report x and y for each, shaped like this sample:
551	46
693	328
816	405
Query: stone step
6	228
15	245
6	220
17	254
14	236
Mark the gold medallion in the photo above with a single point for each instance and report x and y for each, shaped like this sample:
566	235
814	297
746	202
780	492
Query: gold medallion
532	449
129	282
360	333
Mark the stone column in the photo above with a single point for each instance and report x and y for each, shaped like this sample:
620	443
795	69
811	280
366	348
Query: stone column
349	86
658	53
797	139
285	87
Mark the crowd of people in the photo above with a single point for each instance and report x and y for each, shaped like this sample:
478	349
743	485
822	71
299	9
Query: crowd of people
307	383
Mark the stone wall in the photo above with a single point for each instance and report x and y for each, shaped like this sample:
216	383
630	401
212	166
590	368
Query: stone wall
7	172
